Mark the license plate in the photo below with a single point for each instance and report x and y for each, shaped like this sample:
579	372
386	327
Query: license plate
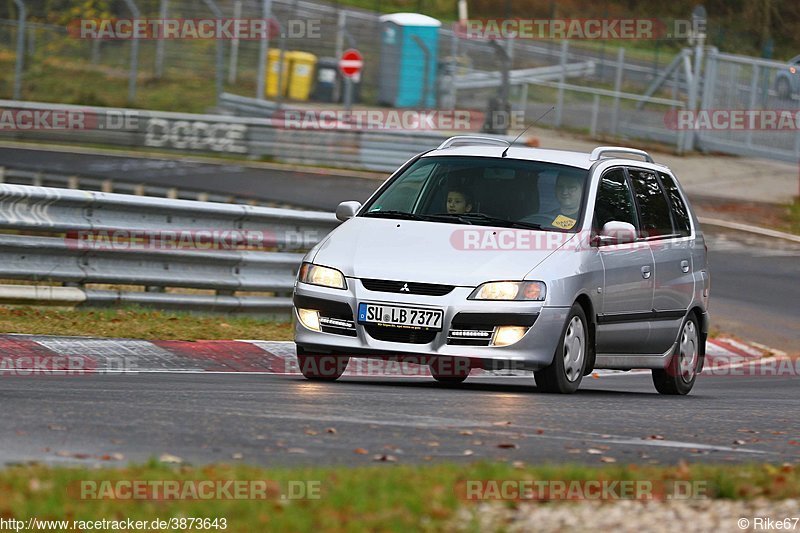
393	315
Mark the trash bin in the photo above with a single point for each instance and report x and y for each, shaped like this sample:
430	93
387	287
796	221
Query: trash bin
327	80
274	70
301	74
409	60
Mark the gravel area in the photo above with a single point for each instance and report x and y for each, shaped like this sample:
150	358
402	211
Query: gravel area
685	516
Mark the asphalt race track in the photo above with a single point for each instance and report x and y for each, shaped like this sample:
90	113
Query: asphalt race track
284	420
313	189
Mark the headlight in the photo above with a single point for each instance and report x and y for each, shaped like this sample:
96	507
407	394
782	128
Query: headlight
510	290
320	275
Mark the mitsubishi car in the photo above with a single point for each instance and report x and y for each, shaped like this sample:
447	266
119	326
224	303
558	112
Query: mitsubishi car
485	255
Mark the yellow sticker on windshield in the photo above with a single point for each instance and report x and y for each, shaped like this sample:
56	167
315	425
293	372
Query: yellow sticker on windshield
563	222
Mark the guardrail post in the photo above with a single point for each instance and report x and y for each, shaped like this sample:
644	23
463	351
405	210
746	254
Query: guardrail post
134	9
617	90
20	60
73	182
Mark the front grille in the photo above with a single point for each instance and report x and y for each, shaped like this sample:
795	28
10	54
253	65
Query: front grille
424	289
404	335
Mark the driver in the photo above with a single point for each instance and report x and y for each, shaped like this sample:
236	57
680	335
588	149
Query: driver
458	201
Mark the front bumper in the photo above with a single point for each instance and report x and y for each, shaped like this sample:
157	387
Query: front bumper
533	351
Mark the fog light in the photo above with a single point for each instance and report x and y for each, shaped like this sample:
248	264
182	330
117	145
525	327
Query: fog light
505	335
309	318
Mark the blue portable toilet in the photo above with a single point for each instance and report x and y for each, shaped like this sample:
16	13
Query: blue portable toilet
409	59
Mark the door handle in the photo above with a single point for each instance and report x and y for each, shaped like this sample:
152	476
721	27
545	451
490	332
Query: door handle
646	272
685	265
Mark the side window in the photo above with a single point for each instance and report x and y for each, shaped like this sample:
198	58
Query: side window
653	207
614	200
680	214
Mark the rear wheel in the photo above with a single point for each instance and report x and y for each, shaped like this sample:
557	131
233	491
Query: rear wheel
681	372
450	369
565	373
321	367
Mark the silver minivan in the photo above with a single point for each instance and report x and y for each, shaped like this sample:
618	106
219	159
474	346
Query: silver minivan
479	254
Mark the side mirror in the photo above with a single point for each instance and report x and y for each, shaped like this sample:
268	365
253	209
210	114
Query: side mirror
616	232
347	210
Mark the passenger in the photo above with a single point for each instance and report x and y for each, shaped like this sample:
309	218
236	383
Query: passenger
569	190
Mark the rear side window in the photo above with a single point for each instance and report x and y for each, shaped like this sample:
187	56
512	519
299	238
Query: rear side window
614	200
680	213
653	207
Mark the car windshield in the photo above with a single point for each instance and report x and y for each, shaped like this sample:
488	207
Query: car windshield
485	191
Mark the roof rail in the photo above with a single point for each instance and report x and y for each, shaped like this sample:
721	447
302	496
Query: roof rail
598	152
467	140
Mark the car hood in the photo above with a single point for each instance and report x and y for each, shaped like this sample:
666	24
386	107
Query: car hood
434	252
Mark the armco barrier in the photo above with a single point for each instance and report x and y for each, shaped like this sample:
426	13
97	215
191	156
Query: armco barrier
65	249
382	150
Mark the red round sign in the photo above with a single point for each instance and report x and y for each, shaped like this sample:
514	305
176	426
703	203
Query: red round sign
351	62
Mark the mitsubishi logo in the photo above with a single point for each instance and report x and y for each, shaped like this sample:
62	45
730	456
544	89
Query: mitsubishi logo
405	288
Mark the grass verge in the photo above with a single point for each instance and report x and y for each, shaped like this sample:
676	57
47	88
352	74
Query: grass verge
793	216
138	323
350	499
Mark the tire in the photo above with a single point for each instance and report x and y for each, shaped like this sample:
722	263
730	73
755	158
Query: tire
678	378
565	373
783	88
450	370
321	367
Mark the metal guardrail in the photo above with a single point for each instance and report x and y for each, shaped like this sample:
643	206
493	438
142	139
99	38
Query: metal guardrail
484	79
382	150
40	178
246	106
84	238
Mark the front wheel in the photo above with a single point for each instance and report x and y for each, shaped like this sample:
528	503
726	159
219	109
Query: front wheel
321	367
681	372
565	373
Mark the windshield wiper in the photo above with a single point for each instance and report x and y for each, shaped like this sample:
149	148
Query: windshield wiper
392	213
472	218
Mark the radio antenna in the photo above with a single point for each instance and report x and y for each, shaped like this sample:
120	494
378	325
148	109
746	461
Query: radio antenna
526	129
